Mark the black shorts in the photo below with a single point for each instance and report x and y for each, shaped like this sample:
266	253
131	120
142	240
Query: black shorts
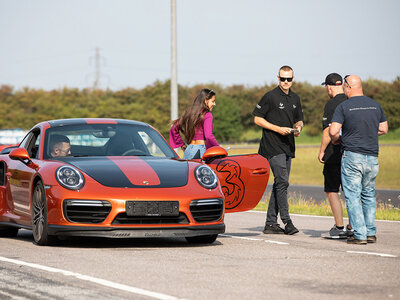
332	180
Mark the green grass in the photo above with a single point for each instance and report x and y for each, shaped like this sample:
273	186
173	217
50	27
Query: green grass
307	170
299	205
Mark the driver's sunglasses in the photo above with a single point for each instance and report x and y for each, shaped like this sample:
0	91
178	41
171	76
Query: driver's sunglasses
66	150
288	79
347	81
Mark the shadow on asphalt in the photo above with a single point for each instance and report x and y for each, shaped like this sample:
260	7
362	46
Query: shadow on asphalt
95	242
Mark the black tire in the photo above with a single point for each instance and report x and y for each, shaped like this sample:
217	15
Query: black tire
39	216
8	231
202	239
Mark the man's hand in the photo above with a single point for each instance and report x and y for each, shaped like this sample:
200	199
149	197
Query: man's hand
320	157
284	130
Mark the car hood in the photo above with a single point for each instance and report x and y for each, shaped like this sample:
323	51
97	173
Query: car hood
133	172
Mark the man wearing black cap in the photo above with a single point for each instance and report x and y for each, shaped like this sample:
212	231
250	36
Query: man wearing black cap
330	155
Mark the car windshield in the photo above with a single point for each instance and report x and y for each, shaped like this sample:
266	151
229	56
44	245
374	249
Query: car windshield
106	140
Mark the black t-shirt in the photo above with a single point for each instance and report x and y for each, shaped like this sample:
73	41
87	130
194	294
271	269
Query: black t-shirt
333	154
282	110
360	117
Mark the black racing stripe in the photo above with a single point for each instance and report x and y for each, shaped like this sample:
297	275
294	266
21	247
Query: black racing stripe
103	170
172	173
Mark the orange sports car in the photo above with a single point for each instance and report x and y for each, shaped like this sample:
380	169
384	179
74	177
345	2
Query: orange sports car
120	179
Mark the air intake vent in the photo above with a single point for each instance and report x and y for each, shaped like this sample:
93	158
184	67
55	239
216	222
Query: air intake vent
123	218
86	211
207	210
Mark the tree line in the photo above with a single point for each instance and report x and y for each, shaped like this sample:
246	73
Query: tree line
232	115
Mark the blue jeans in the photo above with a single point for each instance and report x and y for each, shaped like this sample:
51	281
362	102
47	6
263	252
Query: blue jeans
191	151
278	203
359	172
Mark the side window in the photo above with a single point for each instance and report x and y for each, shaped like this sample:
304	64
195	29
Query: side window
32	145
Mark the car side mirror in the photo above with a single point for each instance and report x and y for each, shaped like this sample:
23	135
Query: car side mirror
22	155
214	153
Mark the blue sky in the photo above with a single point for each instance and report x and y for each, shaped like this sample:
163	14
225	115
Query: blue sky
50	44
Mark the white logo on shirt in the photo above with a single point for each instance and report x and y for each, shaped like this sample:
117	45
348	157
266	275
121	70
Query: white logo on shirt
324	119
258	106
281	106
294	106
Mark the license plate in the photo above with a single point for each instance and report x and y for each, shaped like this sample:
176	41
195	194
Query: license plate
152	208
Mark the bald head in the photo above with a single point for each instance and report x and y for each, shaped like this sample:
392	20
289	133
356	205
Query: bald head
352	86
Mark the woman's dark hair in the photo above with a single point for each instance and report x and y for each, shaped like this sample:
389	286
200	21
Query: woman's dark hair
194	115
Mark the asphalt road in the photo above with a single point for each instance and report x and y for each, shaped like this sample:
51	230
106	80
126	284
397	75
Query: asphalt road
242	264
317	193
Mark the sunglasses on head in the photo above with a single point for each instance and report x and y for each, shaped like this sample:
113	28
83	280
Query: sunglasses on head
346	80
288	79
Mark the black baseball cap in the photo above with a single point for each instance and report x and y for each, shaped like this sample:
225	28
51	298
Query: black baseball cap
333	79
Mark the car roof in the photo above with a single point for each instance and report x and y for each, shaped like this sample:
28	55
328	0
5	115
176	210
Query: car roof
77	121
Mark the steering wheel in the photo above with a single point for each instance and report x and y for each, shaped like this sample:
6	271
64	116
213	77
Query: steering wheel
132	152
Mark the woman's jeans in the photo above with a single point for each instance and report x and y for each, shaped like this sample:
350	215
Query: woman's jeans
192	150
359	172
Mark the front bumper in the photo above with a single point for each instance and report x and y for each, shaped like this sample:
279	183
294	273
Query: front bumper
123	232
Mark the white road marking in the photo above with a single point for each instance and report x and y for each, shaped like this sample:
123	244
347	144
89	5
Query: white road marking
103	282
254	239
276	242
372	253
240	237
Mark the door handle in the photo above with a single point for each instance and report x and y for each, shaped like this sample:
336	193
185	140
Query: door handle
260	171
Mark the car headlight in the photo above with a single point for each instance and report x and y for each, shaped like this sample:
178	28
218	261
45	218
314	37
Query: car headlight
70	178
206	177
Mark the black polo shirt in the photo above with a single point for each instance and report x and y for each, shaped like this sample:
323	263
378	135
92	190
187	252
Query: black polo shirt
282	110
333	154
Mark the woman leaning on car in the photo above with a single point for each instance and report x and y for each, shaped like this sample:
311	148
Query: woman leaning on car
196	125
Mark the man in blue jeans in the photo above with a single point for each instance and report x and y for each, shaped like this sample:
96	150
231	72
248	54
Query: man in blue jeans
357	123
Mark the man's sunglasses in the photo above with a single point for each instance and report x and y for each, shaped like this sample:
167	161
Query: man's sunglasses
346	80
288	79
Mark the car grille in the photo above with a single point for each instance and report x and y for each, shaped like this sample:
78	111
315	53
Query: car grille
207	210
123	218
86	211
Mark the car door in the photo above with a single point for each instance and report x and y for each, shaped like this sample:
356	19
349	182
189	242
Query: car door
243	180
20	177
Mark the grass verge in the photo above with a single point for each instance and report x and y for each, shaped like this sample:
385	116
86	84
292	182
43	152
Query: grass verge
299	205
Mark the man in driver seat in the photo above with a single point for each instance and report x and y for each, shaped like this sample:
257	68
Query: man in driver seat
60	145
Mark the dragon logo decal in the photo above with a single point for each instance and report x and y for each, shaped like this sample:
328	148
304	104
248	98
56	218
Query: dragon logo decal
232	185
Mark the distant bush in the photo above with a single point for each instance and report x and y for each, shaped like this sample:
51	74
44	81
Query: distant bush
151	104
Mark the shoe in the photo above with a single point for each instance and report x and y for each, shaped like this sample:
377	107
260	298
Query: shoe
371	239
349	230
273	229
336	233
353	240
290	229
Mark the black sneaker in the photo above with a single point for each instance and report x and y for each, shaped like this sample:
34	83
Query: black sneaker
349	230
371	239
353	240
290	229
273	229
336	233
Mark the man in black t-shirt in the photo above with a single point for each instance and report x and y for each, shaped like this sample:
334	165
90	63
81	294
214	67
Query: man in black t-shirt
361	120
280	115
331	156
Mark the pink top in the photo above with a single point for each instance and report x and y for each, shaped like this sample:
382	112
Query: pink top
203	132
